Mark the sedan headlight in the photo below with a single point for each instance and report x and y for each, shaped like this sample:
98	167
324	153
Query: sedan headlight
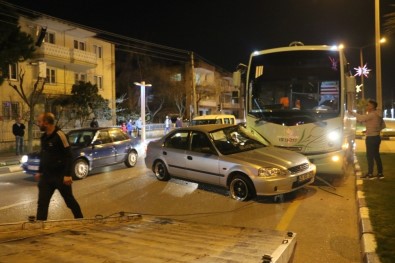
271	172
24	159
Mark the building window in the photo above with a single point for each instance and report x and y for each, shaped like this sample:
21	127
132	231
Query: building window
98	80
79	77
11	110
51	76
79	45
13	71
98	50
49	38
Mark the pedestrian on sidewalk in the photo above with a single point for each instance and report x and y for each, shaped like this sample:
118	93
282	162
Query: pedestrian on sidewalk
372	121
167	124
55	168
18	129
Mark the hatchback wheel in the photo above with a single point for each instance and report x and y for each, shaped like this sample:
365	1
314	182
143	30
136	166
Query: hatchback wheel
131	159
241	188
160	171
80	169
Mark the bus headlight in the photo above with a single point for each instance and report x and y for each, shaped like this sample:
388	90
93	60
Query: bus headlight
271	172
334	136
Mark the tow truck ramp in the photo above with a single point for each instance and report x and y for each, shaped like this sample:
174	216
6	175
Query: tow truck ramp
137	238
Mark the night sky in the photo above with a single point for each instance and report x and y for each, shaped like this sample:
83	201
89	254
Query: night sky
226	32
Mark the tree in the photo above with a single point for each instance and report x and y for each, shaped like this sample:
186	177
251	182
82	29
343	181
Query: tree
31	97
88	103
15	46
389	23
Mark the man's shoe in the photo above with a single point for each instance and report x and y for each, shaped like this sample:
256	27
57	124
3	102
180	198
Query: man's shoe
380	176
367	177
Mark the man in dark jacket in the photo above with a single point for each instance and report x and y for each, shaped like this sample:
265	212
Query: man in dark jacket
18	129
55	168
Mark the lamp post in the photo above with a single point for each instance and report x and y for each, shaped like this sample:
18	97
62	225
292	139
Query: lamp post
142	96
379	98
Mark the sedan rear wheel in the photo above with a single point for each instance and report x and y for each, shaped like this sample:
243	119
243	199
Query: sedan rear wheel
80	169
241	188
161	172
131	159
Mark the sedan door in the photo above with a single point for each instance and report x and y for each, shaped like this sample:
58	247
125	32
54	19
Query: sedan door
173	152
202	160
103	152
122	144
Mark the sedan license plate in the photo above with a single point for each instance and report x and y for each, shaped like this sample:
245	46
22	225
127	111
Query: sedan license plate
32	168
305	176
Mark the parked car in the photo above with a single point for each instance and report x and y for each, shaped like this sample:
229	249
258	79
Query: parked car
214	119
228	156
92	148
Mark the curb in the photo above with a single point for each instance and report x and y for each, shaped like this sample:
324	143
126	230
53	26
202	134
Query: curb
367	237
10	169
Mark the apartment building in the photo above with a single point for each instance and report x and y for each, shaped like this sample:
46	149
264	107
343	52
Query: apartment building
67	54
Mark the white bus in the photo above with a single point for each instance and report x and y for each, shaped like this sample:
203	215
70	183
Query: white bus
297	98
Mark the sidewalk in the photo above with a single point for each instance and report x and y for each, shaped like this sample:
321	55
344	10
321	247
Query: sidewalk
9	162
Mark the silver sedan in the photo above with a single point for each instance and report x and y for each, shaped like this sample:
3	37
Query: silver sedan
228	156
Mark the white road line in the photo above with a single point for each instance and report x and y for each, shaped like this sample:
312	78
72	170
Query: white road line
16	204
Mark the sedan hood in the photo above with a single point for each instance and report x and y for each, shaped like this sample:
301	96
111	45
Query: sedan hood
271	157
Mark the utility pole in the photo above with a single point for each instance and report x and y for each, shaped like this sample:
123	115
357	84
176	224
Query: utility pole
195	107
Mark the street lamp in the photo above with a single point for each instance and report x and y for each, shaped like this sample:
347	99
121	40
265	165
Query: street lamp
379	98
142	95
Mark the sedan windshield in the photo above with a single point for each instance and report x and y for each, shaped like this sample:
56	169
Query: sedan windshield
235	139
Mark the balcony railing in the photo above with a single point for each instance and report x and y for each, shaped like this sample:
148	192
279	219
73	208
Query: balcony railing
55	55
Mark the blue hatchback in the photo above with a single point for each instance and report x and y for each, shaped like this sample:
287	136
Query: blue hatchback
92	148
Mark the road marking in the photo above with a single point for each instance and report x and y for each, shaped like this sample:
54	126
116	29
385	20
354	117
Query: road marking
288	215
16	204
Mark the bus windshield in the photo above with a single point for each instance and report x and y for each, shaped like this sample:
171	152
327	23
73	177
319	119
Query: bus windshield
303	83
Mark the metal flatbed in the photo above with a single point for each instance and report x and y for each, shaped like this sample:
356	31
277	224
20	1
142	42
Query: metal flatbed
136	238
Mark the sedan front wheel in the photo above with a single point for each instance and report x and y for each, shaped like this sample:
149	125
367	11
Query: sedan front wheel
80	169
241	188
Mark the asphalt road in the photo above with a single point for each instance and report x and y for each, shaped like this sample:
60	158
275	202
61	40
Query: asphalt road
323	215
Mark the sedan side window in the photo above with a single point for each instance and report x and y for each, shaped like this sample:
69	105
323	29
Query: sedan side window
200	143
118	135
104	137
178	140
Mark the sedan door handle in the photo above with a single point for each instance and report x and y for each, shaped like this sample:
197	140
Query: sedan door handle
189	157
164	153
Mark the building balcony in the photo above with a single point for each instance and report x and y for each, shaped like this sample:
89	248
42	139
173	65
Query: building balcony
59	56
207	103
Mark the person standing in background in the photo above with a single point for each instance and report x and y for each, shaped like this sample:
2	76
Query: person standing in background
55	168
178	122
18	129
138	126
167	124
372	121
130	128
94	123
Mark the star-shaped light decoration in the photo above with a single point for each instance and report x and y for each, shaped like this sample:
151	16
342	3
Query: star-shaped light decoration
358	88
362	71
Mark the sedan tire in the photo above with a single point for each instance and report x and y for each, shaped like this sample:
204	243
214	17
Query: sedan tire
241	188
80	169
161	172
131	159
